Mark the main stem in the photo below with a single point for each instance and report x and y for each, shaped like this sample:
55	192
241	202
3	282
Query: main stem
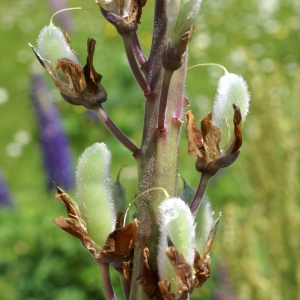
157	163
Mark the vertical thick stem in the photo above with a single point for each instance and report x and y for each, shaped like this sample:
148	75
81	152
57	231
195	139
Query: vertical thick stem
158	167
106	282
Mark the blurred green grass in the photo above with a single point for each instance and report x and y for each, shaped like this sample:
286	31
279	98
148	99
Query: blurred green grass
258	239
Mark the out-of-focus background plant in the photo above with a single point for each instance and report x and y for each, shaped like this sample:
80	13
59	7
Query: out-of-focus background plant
256	250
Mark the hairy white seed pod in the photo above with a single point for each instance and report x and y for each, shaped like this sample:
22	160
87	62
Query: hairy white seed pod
232	89
176	222
94	192
204	221
53	45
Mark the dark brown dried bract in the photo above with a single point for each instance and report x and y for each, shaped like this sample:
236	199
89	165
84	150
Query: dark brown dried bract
164	287
74	224
136	11
120	242
150	278
204	143
182	269
202	270
82	85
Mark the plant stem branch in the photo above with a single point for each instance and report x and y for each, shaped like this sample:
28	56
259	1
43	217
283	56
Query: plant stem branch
106	281
137	49
164	98
205	177
127	41
115	130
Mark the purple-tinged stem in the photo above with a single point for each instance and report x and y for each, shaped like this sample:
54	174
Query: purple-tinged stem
106	282
200	192
133	64
115	130
158	42
164	98
137	49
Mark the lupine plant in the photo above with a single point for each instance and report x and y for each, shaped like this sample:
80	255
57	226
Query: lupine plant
163	253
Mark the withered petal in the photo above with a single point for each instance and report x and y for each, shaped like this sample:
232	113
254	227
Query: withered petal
211	138
205	255
71	226
120	242
184	41
194	136
202	270
70	204
182	269
93	87
236	144
164	287
150	278
74	75
136	11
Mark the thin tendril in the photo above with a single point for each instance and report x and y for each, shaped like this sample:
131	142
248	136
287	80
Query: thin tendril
66	9
209	64
141	194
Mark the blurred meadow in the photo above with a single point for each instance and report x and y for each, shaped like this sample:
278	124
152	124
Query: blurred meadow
256	253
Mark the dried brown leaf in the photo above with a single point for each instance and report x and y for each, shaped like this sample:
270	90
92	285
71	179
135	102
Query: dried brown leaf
71	226
70	204
202	270
120	242
210	239
164	287
150	278
74	75
236	144
182	269
74	225
194	136
136	11
93	87
211	138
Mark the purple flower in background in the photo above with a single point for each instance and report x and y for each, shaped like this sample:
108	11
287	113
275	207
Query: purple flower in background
64	18
54	142
5	197
224	290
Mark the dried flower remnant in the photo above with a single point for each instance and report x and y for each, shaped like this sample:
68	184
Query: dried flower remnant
130	11
118	244
79	86
204	143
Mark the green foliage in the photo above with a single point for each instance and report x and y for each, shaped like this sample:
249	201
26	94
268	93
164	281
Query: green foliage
258	235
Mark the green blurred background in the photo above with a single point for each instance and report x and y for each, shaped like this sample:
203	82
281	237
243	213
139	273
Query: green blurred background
256	254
